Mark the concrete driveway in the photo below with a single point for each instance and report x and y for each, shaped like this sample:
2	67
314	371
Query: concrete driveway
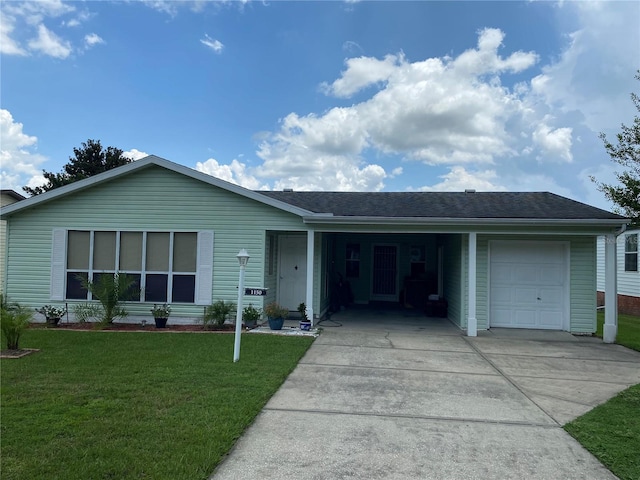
394	396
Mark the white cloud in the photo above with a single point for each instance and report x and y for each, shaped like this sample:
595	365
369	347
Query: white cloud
20	164
135	154
50	44
554	143
437	111
213	44
236	172
9	46
92	39
594	73
460	112
25	28
352	47
459	179
360	73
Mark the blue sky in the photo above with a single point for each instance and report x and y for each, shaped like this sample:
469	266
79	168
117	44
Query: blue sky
326	95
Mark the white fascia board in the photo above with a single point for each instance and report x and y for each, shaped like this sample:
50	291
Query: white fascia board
147	162
598	225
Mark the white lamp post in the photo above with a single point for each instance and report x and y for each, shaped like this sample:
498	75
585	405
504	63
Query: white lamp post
243	259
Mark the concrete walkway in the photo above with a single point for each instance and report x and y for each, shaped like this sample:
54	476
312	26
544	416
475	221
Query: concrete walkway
395	396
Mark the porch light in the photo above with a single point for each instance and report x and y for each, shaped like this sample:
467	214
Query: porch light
243	259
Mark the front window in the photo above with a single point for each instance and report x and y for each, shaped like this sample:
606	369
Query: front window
631	252
163	264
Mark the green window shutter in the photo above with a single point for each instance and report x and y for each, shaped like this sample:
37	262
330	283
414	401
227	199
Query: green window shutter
58	255
204	275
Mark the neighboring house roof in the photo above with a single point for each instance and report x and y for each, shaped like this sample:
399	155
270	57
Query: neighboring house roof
13	194
538	205
433	208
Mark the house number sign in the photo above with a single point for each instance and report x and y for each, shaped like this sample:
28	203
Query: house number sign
255	292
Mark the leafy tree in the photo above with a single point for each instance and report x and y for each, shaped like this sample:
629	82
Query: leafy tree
89	160
627	154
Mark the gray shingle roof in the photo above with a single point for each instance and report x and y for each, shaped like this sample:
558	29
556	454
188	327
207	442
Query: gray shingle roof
535	205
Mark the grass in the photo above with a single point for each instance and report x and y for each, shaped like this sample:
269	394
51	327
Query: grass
114	405
628	330
611	431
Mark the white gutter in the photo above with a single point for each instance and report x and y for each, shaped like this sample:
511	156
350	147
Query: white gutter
445	221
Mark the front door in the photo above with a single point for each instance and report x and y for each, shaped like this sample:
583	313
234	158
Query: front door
384	281
292	280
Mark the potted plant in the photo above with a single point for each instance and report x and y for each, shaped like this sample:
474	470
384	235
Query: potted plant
251	315
161	314
305	323
52	313
276	315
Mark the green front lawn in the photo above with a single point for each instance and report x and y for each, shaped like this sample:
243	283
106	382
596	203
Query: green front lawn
611	431
628	330
107	405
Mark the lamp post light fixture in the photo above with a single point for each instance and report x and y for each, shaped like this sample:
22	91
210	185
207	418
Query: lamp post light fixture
243	258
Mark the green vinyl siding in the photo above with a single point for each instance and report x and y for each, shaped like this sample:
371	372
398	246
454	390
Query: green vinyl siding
452	276
482	284
153	199
583	284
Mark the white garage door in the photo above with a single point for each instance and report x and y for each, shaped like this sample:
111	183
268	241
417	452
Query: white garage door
528	284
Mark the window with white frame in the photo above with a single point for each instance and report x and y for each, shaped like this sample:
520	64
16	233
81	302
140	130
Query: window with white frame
631	252
163	264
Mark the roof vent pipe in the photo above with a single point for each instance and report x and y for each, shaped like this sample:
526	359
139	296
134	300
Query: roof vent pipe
470	190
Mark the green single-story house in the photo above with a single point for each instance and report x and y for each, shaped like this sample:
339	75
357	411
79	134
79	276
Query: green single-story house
498	259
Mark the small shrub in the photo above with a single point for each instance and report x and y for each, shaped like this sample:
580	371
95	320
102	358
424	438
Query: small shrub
86	312
14	319
273	310
110	290
302	308
217	313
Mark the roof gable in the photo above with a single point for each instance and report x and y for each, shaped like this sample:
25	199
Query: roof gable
138	165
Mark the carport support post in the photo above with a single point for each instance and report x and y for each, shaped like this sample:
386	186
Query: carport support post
310	254
472	321
610	329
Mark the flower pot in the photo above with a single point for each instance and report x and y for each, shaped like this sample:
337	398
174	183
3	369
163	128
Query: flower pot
161	322
305	325
276	323
251	323
53	321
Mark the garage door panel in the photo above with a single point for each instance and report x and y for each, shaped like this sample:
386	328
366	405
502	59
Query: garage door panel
528	284
502	295
525	318
501	317
550	319
551	297
501	274
551	275
525	295
526	274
